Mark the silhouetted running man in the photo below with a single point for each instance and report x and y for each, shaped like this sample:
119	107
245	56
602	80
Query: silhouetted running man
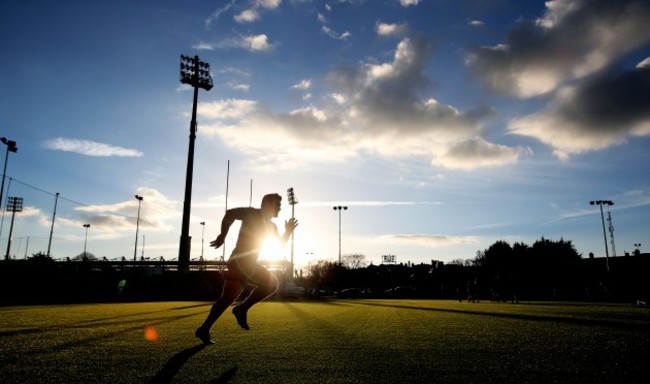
243	267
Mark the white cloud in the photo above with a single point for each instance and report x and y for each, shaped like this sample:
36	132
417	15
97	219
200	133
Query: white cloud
476	152
247	16
268	4
155	210
257	43
90	148
253	14
303	85
338	98
406	3
385	29
644	64
475	23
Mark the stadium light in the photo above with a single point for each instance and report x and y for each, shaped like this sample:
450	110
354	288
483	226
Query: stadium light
86	240
14	204
340	208
11	147
291	197
196	74
600	203
137	228
202	236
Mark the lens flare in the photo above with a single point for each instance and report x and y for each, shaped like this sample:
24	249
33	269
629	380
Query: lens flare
150	333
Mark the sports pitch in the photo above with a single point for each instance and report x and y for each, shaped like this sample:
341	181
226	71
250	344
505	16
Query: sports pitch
356	341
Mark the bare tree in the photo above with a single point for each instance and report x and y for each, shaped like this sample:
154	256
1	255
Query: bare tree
354	261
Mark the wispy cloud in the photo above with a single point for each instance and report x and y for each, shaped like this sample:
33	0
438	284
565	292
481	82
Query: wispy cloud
428	240
365	203
335	35
215	15
90	148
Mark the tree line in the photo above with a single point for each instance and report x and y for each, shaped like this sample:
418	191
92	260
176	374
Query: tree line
546	270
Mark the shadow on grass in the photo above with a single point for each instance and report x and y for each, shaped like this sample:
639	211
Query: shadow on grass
102	321
226	376
518	316
175	363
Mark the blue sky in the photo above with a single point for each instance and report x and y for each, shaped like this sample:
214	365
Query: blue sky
443	125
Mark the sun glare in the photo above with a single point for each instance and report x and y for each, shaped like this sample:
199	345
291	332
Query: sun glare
272	249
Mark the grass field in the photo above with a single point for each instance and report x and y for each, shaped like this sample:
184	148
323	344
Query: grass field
360	341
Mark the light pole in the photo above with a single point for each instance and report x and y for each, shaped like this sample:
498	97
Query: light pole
197	74
291	197
86	240
202	236
137	228
49	242
340	208
14	204
11	147
602	219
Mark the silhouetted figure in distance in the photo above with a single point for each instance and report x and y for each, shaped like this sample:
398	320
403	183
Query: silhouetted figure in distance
243	268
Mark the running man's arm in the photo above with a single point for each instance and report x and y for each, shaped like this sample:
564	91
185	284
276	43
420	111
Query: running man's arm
289	226
229	218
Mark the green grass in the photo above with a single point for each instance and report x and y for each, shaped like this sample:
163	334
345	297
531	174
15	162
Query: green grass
361	341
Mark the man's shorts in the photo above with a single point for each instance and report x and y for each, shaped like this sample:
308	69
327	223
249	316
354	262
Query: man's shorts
249	271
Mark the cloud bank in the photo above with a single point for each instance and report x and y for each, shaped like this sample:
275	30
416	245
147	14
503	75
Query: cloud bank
373	108
572	56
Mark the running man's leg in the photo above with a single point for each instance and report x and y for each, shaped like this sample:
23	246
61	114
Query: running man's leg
230	291
266	285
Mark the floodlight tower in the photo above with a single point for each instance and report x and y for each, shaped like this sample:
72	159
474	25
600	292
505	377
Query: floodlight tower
137	228
600	203
611	229
197	74
11	147
340	208
291	197
86	239
202	236
14	204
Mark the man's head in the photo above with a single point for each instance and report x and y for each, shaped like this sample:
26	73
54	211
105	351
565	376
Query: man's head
271	204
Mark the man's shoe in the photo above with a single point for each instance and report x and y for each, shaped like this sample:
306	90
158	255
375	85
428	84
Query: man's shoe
204	336
240	315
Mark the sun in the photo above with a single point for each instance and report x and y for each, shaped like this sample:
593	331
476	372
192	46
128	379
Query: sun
272	249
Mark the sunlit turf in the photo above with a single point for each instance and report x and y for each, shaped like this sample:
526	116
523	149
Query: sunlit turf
356	341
